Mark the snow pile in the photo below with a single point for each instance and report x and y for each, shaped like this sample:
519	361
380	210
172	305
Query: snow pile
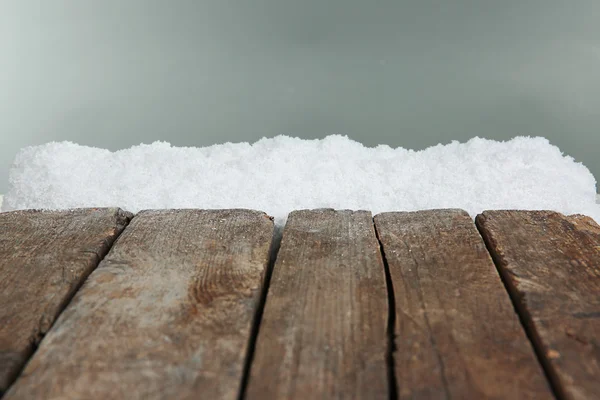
283	174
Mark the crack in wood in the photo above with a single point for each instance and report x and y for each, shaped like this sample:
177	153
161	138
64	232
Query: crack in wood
391	327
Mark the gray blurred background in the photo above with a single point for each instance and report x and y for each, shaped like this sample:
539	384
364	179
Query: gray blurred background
115	73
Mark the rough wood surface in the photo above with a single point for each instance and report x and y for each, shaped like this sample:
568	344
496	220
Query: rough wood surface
456	332
44	258
551	265
166	315
323	331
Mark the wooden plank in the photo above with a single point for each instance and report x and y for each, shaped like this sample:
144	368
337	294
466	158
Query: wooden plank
166	315
551	266
456	332
44	258
323	331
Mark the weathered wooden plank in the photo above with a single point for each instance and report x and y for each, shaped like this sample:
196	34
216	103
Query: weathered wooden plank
456	332
166	315
323	331
551	265
44	258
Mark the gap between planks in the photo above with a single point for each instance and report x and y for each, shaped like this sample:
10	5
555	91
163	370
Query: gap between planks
522	314
169	312
390	343
323	332
391	330
535	386
454	319
45	257
551	267
274	250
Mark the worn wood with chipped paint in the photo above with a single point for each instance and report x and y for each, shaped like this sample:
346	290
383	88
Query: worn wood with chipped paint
323	331
44	258
551	265
456	332
166	315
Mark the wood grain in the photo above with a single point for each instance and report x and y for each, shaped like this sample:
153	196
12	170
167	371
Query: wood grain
551	265
323	331
44	258
457	335
166	315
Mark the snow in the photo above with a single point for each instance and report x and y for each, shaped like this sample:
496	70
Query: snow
281	174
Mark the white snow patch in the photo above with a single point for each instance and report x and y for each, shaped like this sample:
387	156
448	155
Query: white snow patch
282	174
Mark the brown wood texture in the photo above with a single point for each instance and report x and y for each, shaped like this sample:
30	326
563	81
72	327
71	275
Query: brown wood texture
551	265
456	332
44	258
323	331
166	315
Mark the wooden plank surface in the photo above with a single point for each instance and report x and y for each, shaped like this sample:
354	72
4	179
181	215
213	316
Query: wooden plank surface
323	331
551	265
166	315
457	335
44	258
